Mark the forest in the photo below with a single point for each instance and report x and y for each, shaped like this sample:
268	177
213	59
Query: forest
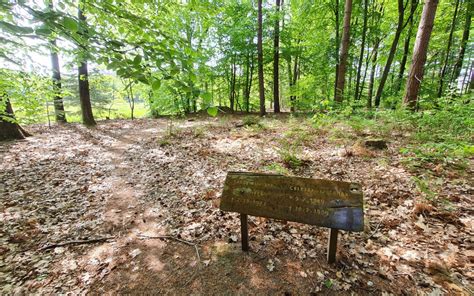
120	120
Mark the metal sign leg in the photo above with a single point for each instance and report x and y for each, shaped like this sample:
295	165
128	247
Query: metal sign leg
244	232
332	245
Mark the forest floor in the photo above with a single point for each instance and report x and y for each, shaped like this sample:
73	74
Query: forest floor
148	192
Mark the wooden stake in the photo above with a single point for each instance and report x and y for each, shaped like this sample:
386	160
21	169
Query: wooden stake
332	245
244	232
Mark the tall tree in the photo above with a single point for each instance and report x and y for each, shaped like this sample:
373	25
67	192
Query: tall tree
362	48
338	42
420	51
406	46
391	54
58	99
465	37
372	72
261	85
341	76
444	68
276	60
83	75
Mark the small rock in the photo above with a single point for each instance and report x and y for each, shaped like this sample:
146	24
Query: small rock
370	284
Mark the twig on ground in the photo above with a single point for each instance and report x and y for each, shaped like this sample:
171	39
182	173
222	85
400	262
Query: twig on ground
176	239
76	242
375	230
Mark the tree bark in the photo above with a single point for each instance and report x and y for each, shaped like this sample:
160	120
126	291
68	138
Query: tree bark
276	60
406	46
247	83
362	48
391	55
232	85
444	68
338	42
83	76
372	73
9	129
366	66
261	85
420	50
58	99
344	52
464	40
56	76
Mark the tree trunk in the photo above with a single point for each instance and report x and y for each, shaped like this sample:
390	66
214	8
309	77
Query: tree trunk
406	46
362	48
391	55
366	66
83	76
420	50
247	82
464	40
338	42
9	129
252	66
372	73
58	100
232	85
448	50
293	79
276	60
261	86
344	52
471	81
132	102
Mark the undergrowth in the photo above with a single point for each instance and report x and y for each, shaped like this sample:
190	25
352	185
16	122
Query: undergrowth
435	137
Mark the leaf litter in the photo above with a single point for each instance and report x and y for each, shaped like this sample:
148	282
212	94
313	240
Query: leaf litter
122	180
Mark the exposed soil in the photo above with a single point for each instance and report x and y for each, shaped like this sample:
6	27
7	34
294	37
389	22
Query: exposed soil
151	189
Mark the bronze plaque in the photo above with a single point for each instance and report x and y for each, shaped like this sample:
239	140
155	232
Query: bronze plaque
331	204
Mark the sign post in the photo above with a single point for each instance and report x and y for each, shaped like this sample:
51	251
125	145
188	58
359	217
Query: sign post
333	204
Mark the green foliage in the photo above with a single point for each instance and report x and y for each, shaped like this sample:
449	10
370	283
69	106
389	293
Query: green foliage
212	111
251	121
277	168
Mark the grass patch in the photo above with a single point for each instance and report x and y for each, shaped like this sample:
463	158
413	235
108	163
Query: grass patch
277	168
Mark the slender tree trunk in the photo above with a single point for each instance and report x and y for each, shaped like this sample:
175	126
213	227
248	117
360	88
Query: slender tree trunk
338	42
56	77
9	129
232	85
276	60
344	52
58	100
295	76
362	48
247	82
444	68
420	50
372	73
464	40
132	102
366	66
261	85
252	67
84	94
471	81
391	55
406	46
